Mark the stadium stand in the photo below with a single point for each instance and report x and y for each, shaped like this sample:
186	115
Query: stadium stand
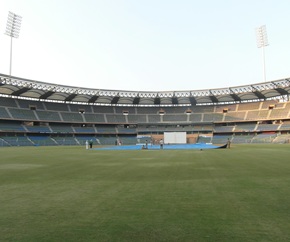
129	110
38	129
61	128
175	118
264	138
137	118
8	102
80	108
116	118
30	104
41	140
94	118
11	127
224	129
56	106
242	117
235	116
221	139
22	114
65	140
154	118
48	116
106	129
72	117
242	138
4	114
84	129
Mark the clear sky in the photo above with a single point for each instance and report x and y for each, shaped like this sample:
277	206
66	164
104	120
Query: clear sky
146	45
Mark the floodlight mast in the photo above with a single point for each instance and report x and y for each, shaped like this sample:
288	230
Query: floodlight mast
12	30
262	42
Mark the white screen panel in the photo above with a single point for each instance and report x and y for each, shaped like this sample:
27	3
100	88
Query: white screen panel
174	137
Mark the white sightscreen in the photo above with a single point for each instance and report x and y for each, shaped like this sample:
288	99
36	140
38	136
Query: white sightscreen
174	137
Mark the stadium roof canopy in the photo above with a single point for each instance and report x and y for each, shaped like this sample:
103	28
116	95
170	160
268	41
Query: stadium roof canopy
23	88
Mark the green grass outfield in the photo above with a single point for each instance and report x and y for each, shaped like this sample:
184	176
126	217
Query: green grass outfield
73	194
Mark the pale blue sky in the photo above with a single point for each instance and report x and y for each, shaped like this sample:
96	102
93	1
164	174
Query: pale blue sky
146	45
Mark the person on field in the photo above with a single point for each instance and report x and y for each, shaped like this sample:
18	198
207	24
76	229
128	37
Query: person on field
161	144
87	144
229	143
91	143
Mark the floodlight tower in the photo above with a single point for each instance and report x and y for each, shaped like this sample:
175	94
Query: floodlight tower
12	30
262	42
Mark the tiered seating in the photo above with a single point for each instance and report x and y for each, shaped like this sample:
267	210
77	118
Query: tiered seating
11	127
175	118
140	118
203	109
221	139
61	117
235	116
3	143
103	109
202	128
124	130
27	104
94	118
106	129
204	139
263	138
3	113
245	127
128	140
212	117
154	118
17	140
7	102
56	106
242	139
188	128
22	114
248	106
148	110
84	129
48	115
197	128
106	140
61	128
172	129
267	127
41	140
81	139
257	115
38	129
282	139
177	110
116	118
223	129
151	128
279	113
195	117
266	104
281	105
72	117
65	140
285	126
79	108
229	108
142	129
130	110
